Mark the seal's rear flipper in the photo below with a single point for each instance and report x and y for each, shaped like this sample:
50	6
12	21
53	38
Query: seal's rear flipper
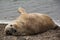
21	10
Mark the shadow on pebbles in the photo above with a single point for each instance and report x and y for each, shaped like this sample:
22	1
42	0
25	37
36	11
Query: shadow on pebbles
49	35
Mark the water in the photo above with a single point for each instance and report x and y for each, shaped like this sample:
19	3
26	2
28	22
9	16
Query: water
8	8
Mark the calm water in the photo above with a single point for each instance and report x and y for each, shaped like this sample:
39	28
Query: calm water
8	8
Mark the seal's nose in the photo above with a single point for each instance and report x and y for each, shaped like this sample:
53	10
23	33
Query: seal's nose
10	31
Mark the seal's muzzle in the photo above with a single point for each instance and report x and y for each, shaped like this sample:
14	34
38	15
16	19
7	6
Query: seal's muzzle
10	31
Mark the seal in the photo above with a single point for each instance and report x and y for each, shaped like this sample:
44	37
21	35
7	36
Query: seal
29	24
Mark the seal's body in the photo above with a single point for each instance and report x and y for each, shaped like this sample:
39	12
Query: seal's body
29	23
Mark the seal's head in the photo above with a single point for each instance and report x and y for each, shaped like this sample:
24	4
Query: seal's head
10	29
15	29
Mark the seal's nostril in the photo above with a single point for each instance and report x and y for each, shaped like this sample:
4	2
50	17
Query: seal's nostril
15	31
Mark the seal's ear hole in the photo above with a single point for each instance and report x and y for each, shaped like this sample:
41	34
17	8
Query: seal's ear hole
11	25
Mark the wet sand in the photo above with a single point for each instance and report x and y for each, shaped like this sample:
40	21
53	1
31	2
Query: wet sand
48	35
